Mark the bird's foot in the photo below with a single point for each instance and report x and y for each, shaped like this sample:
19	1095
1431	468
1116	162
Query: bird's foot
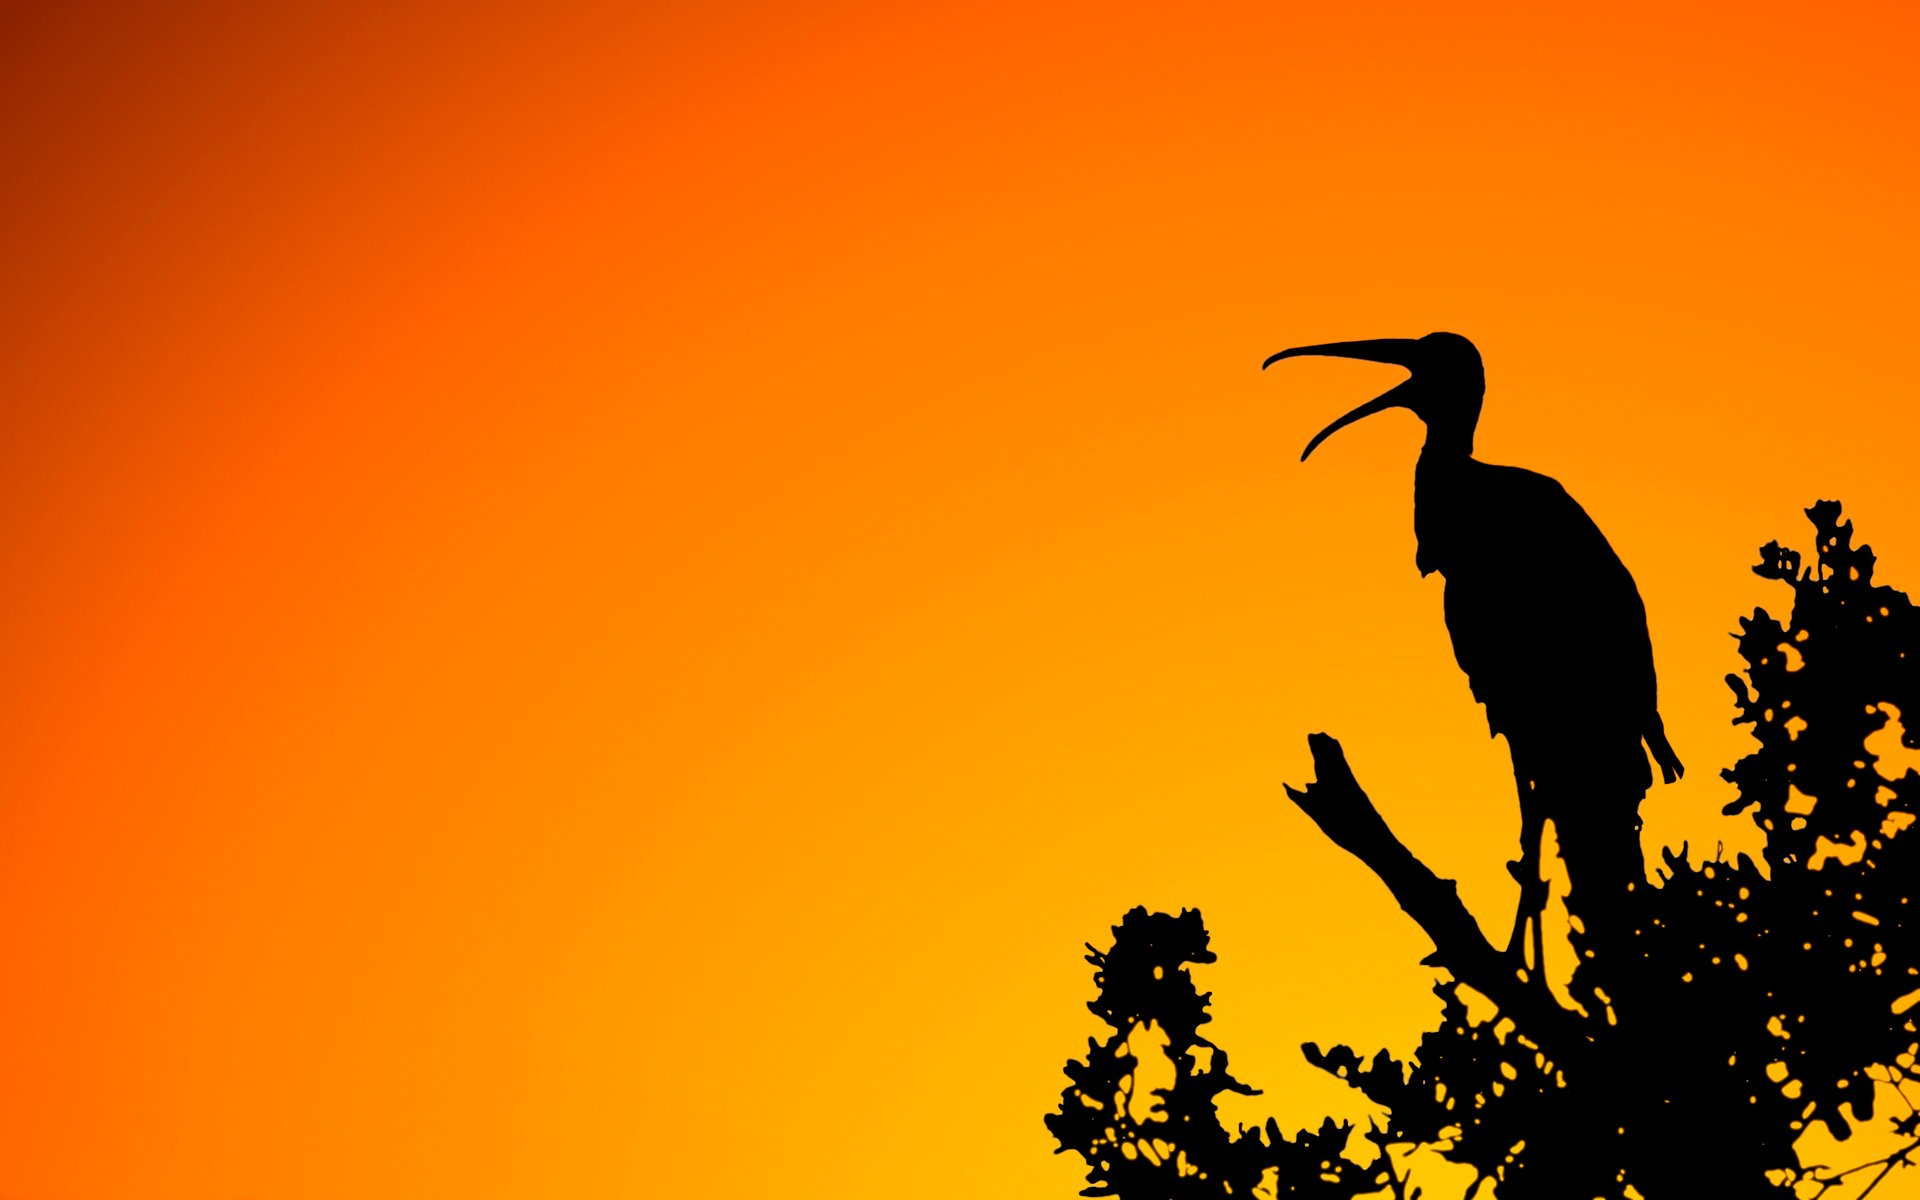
1534	891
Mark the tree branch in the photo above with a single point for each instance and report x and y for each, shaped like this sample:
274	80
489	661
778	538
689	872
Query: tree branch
1343	812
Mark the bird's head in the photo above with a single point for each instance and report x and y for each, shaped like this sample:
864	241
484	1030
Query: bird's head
1444	388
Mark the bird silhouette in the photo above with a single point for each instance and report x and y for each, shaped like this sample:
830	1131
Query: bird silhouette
1545	621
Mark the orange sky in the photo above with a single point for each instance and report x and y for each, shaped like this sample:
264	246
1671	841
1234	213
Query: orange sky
578	591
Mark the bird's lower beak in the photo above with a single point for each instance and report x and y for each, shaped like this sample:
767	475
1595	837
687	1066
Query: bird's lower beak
1396	398
1398	352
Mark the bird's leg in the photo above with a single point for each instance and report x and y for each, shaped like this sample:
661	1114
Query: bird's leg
1533	888
1526	873
1539	917
1516	942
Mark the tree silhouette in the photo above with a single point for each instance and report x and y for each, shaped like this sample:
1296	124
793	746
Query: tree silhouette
1719	1009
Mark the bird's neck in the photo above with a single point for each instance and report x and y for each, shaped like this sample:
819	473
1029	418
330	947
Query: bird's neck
1447	444
1439	489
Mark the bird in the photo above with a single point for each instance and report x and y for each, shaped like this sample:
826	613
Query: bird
1545	620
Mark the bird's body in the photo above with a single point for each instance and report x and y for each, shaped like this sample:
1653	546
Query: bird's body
1545	621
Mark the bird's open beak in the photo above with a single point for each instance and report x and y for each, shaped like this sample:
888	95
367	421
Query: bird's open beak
1397	351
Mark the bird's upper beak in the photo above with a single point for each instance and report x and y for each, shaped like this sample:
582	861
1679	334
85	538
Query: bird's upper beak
1400	352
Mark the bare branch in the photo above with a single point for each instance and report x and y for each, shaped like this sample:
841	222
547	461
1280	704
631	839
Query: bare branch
1336	803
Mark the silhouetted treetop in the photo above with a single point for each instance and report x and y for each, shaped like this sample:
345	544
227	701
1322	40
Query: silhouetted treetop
1821	685
1175	1147
1715	1012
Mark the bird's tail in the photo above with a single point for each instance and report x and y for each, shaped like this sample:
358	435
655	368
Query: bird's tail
1656	735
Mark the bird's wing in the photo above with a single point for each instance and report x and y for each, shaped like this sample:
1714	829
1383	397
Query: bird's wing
1546	620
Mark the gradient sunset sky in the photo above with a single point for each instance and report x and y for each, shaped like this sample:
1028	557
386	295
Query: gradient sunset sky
595	599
